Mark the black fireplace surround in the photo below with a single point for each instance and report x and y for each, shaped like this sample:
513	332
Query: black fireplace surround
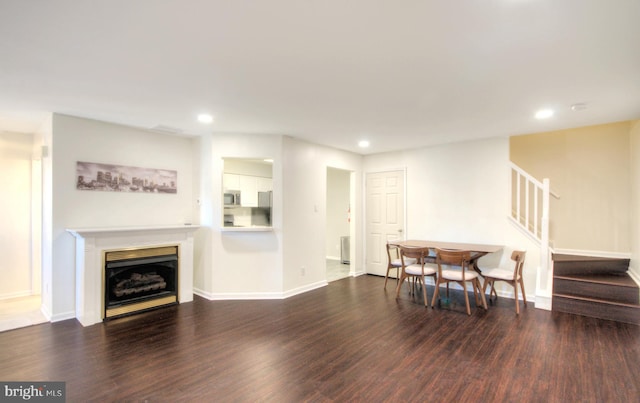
140	279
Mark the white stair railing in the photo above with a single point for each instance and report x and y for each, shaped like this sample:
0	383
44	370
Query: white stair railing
530	212
528	201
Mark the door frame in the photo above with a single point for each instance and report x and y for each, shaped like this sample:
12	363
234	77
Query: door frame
353	260
365	207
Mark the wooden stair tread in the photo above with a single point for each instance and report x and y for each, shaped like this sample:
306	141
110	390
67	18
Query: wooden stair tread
597	300
613	279
570	265
559	257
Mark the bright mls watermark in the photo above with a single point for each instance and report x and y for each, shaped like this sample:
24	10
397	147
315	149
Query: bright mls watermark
32	392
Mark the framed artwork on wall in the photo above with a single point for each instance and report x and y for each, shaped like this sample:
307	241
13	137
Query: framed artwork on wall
119	178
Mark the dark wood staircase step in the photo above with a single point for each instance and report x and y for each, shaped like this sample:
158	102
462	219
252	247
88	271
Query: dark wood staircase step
598	287
573	264
597	308
616	288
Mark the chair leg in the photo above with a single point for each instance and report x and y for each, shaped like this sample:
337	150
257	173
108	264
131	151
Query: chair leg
474	284
515	295
386	277
402	277
484	301
435	295
466	297
484	287
524	296
493	288
424	291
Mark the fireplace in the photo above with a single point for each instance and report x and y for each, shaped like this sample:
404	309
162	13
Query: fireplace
91	247
137	280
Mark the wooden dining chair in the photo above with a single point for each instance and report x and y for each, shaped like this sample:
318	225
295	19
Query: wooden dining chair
393	262
453	266
512	276
414	266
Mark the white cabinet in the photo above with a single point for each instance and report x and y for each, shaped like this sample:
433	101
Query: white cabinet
231	182
248	185
265	184
249	191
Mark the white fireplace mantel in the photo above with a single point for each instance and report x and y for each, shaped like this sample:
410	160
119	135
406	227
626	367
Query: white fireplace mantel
91	244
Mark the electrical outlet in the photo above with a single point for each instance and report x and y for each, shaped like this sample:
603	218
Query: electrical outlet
303	271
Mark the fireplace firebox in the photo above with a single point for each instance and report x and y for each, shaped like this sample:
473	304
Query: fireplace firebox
137	280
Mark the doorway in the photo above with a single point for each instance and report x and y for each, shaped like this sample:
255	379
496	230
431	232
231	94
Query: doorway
20	215
338	226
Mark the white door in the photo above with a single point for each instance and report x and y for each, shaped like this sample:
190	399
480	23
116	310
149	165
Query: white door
385	216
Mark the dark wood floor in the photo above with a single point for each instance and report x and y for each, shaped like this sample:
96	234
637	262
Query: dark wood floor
350	341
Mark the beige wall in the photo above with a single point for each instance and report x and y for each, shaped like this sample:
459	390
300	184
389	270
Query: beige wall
590	169
635	198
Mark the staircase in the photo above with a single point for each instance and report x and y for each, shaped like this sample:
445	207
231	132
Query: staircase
595	286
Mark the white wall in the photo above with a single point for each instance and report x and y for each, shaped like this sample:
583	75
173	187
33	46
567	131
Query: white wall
237	265
44	139
15	214
260	265
77	139
338	193
304	173
459	192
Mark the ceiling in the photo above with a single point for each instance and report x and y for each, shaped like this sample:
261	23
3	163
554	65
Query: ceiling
402	74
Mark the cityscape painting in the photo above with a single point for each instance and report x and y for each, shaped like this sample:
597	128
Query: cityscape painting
118	178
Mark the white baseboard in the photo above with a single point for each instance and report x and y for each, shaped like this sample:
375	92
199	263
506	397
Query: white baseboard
18	294
305	288
245	296
259	295
511	295
59	317
45	311
203	294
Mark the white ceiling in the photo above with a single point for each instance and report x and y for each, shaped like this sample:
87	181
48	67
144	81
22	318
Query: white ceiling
402	74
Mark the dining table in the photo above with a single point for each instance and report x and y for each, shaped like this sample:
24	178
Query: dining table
476	251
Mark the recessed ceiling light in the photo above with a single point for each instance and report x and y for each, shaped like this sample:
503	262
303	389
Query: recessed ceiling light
205	118
544	113
363	143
